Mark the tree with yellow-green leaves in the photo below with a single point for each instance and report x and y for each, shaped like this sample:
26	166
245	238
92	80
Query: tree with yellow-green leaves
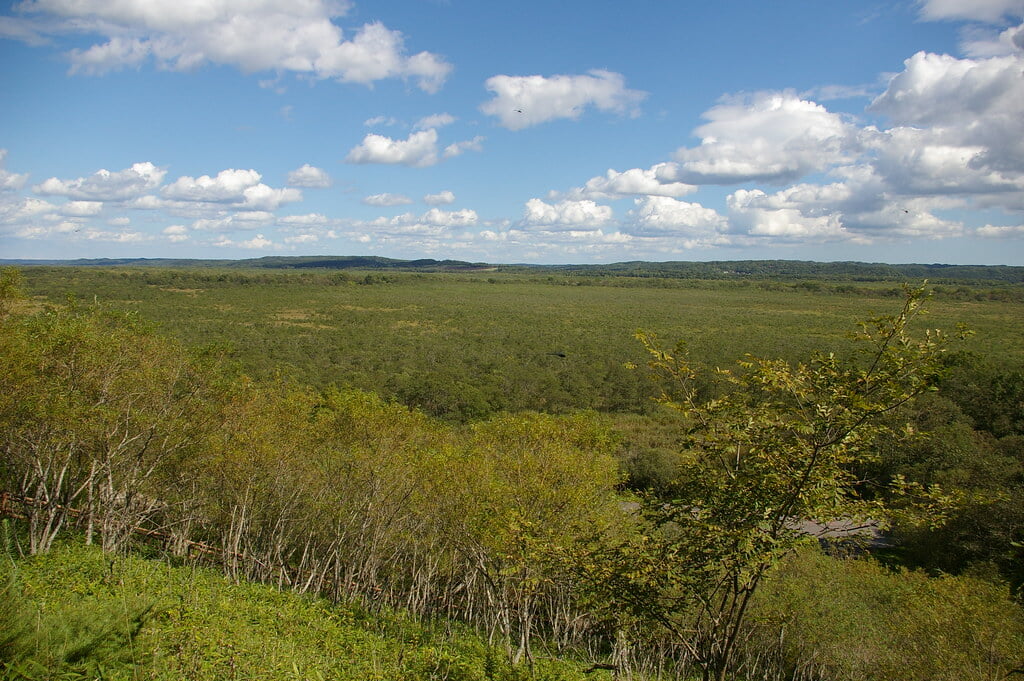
765	446
98	415
542	484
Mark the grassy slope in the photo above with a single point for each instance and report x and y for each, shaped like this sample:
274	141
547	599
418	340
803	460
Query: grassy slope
819	618
201	626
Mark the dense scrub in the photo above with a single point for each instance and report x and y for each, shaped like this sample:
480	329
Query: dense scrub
109	428
463	347
828	618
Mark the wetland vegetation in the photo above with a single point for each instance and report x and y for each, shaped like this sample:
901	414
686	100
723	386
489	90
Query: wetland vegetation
472	472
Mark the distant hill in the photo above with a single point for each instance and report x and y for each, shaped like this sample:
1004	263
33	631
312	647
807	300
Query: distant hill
725	269
270	262
369	262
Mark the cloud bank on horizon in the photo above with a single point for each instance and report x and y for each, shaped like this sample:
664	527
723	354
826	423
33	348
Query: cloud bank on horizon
580	163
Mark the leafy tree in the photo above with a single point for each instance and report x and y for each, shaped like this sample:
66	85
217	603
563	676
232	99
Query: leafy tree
775	444
530	487
94	410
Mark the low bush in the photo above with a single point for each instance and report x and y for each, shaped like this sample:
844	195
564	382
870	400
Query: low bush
822	617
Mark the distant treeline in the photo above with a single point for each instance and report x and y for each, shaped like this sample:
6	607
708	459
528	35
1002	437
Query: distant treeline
785	270
802	270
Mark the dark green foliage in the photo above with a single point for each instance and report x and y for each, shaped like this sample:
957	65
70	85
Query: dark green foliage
800	271
649	450
980	530
989	392
721	270
462	348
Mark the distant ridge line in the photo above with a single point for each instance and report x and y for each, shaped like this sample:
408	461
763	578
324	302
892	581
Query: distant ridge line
721	269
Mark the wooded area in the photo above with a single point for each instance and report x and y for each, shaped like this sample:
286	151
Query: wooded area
498	449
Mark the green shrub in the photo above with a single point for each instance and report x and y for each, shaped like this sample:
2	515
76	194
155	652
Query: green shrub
850	619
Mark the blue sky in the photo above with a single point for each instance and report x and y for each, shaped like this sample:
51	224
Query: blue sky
543	132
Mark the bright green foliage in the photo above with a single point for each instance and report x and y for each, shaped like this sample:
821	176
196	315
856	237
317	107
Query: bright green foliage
204	628
775	444
65	638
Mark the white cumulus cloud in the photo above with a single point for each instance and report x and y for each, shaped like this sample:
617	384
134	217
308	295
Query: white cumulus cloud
228	185
307	220
990	11
522	101
445	218
377	52
10	181
434	121
937	89
654	181
380	120
297	239
1000	231
262	197
440	199
419	150
660	215
240	188
258	242
770	136
986	42
387	199
81	209
459	148
17	211
566	214
104	185
176	234
231	222
266	35
957	127
309	177
760	214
